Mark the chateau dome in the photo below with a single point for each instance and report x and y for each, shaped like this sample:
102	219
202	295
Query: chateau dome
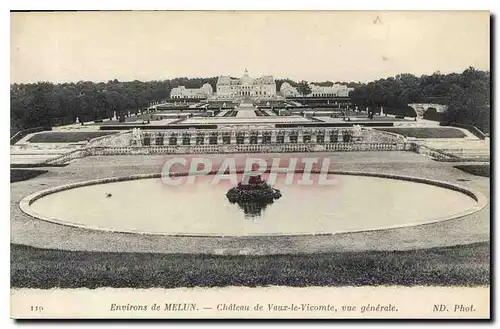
245	79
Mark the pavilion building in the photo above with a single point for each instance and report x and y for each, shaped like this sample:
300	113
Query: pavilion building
337	90
205	91
287	90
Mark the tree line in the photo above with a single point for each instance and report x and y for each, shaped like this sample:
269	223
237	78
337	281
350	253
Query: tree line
467	95
48	104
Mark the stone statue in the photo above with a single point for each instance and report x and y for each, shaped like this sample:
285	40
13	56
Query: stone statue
356	131
136	137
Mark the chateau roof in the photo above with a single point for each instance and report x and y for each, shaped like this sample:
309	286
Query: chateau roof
245	79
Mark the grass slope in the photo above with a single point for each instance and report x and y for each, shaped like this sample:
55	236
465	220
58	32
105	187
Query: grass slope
67	137
43	268
478	170
19	175
427	132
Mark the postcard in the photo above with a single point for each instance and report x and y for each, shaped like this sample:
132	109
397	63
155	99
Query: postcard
250	164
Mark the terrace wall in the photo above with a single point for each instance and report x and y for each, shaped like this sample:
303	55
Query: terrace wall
237	148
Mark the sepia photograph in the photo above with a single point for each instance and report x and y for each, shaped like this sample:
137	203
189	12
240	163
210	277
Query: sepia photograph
250	164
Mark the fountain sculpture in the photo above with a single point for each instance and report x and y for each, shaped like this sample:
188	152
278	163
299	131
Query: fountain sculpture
253	196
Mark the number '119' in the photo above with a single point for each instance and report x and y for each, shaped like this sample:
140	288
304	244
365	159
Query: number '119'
36	308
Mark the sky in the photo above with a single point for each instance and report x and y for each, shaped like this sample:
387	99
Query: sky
300	45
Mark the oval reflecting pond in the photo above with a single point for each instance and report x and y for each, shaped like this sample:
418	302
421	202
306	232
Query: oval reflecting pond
350	203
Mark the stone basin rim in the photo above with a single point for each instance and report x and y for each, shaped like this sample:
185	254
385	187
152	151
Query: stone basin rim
26	202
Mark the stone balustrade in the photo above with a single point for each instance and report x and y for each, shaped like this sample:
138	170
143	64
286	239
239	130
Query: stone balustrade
232	148
268	140
254	136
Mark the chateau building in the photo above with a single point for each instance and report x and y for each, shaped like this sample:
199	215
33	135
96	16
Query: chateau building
182	92
262	87
337	90
246	86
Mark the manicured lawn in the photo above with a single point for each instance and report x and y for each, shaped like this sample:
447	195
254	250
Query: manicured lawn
67	137
466	265
479	170
18	175
427	132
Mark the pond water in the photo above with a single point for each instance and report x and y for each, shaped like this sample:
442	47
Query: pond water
350	203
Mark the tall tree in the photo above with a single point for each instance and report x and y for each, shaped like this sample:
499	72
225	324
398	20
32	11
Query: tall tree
303	88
